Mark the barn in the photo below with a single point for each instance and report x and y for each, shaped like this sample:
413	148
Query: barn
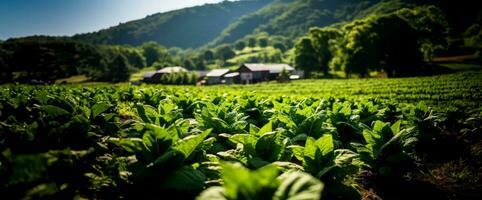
256	72
215	76
155	77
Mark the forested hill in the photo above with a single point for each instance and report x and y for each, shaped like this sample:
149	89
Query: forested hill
228	21
185	28
292	18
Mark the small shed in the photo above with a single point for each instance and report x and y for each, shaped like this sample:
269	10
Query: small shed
232	78
215	76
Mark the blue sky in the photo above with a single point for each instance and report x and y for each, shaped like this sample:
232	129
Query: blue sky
66	17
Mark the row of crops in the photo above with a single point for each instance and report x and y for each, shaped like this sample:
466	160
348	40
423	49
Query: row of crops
112	142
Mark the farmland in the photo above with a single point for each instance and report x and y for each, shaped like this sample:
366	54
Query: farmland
310	139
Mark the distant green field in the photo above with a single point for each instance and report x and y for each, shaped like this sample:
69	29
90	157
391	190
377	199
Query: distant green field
435	90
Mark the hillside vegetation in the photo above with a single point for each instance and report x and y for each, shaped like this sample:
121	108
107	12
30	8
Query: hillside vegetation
324	38
185	28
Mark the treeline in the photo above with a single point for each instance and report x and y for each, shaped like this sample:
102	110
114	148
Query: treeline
179	78
50	58
398	43
261	48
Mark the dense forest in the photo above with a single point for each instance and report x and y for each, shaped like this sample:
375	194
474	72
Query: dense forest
325	38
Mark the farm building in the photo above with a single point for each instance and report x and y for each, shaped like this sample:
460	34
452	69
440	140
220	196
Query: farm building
254	72
155	77
232	78
216	76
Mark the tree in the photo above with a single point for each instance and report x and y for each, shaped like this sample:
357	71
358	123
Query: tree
208	55
384	42
6	71
118	70
280	46
199	64
473	37
240	45
135	58
154	52
322	39
252	42
431	26
263	41
284	76
225	52
305	56
188	64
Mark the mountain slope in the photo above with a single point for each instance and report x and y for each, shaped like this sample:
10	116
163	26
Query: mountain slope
185	28
214	24
292	18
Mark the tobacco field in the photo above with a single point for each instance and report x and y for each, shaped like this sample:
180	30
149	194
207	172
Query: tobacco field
312	139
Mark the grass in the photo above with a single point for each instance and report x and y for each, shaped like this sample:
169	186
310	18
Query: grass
461	66
249	52
73	79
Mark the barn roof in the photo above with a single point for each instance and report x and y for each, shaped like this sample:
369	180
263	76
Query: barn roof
168	70
272	68
231	75
149	74
217	72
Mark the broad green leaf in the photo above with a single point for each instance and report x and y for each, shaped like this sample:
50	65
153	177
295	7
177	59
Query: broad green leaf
248	141
240	183
396	127
129	144
253	130
257	162
213	193
298	151
268	148
185	179
54	111
378	126
99	108
310	148
287	166
325	144
187	145
298	186
147	113
266	128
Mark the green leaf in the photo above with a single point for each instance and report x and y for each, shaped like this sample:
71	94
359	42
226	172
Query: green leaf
147	113
268	148
298	151
325	144
240	183
99	108
213	193
298	186
396	127
253	130
131	145
185	179
54	111
266	128
187	145
378	126
248	141
310	148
